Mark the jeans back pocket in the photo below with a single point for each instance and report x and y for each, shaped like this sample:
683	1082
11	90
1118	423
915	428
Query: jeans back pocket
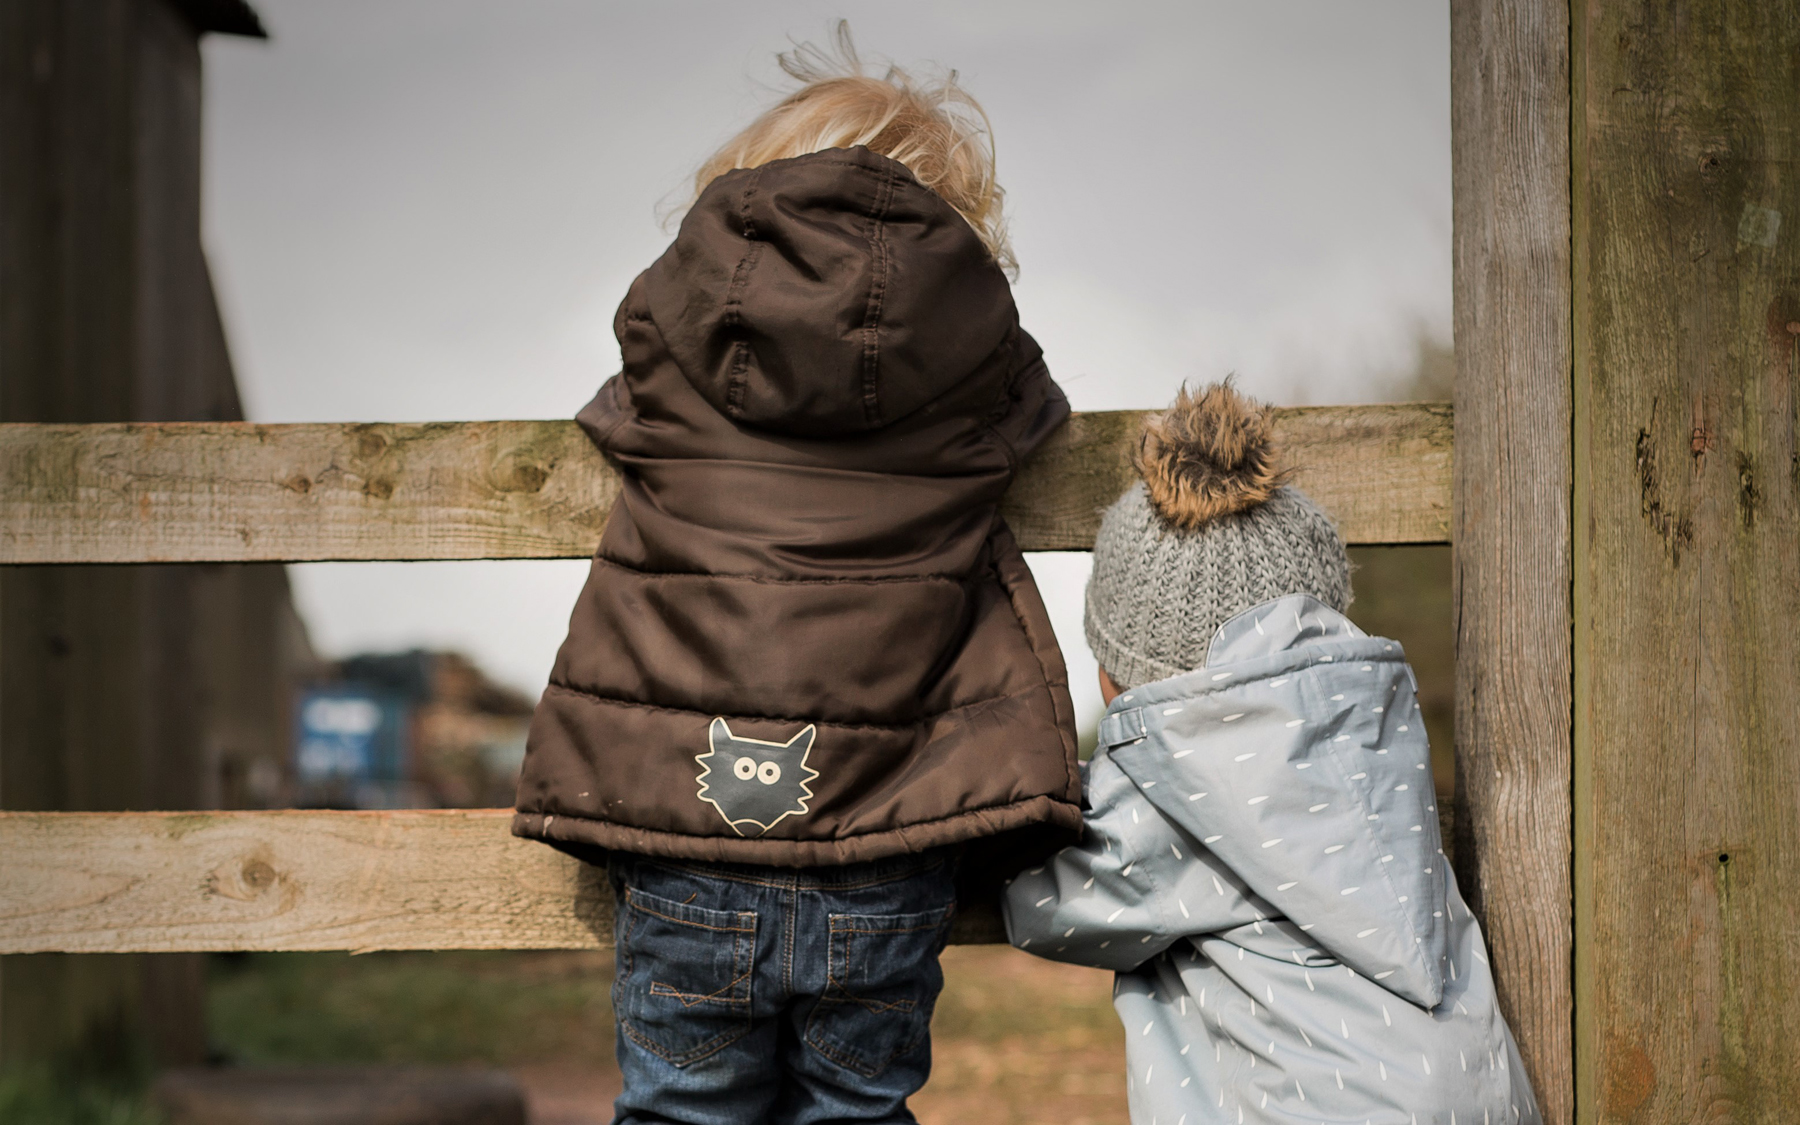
683	986
883	982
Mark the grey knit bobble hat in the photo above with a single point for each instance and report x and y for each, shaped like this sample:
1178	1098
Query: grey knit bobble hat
1210	531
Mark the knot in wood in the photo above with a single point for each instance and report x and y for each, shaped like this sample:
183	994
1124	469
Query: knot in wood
257	875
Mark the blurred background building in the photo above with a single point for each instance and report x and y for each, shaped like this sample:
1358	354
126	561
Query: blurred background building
150	687
411	729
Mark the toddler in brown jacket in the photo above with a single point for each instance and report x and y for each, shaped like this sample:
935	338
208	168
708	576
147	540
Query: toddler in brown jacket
809	663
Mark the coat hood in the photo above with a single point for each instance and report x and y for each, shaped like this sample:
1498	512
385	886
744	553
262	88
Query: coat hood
1304	744
827	294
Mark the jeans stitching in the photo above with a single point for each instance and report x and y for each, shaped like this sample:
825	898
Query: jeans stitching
636	904
848	998
711	1047
741	1026
831	978
689	999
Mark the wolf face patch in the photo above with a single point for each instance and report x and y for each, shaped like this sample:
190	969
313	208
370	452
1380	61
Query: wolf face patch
755	784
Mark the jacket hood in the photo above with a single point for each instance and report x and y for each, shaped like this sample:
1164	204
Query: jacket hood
1302	740
827	295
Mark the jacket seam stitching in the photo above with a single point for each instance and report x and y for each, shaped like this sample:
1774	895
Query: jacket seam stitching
583	693
1071	770
705	575
736	379
878	280
1015	378
960	814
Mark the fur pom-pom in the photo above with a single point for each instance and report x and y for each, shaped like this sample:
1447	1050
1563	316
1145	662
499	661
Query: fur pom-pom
1209	455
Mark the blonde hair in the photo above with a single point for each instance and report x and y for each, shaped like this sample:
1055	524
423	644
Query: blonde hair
934	128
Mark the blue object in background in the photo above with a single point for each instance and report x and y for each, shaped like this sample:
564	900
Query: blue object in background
351	747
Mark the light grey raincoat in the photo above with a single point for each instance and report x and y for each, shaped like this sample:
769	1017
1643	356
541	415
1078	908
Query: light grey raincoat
1262	868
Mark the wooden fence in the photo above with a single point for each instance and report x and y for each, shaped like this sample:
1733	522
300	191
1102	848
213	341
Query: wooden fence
238	492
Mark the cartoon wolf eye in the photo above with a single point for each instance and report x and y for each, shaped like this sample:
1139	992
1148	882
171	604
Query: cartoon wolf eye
745	769
768	773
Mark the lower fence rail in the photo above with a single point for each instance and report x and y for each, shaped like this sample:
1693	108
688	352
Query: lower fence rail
303	880
194	882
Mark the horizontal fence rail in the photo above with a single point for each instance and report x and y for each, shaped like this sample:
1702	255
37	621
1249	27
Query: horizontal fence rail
188	882
455	879
243	492
191	882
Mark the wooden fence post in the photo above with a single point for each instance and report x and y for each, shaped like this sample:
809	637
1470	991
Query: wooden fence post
1686	193
1511	522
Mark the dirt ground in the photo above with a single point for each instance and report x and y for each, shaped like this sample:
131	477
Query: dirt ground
1015	1039
1018	1040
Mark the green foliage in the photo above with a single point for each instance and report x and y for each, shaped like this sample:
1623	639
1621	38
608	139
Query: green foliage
495	1008
40	1096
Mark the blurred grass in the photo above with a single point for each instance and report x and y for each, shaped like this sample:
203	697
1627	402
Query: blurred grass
499	1008
41	1096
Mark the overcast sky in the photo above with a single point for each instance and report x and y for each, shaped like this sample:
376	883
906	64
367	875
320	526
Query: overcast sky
428	209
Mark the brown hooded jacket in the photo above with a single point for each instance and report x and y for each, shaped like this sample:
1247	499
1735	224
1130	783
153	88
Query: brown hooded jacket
808	637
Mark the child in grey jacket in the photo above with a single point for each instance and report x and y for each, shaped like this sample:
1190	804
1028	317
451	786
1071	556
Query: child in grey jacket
1261	863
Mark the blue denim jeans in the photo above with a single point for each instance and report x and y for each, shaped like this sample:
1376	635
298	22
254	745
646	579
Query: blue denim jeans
748	995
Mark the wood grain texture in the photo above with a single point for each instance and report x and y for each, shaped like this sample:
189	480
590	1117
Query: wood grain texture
1511	531
239	492
1687	576
173	882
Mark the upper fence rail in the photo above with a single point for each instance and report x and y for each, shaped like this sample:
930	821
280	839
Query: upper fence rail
243	492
